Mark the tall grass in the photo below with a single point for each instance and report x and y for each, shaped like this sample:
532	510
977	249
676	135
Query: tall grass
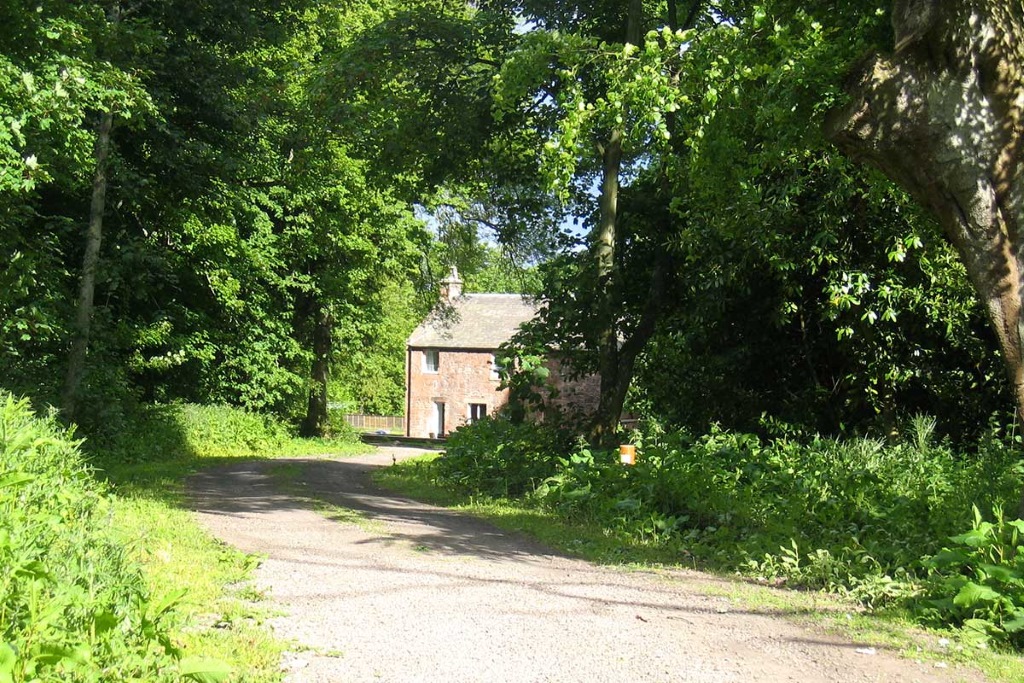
74	606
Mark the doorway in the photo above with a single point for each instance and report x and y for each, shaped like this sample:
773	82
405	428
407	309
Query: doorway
438	421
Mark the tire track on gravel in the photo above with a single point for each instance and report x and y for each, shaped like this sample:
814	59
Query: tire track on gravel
418	593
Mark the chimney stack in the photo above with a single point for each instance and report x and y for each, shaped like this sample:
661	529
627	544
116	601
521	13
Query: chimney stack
451	286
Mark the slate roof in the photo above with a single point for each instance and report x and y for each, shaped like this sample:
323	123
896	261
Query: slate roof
473	321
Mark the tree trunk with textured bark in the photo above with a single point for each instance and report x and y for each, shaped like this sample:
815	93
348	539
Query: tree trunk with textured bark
614	378
941	116
316	423
87	285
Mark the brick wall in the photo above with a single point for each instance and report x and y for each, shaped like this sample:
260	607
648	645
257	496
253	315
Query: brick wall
462	378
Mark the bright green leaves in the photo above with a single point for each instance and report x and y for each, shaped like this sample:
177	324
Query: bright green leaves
579	88
972	595
60	74
204	670
8	662
73	606
978	582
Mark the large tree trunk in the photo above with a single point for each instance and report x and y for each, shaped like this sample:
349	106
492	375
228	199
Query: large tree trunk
614	381
87	285
618	356
316	422
942	118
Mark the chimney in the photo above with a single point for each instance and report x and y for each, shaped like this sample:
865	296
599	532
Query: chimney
451	286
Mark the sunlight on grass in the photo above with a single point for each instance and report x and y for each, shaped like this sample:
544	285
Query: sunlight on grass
220	614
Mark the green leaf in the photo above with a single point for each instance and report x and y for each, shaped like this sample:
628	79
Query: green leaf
34	569
166	603
104	621
947	557
972	594
978	631
204	670
8	659
15	479
1016	624
975	538
1000	573
52	655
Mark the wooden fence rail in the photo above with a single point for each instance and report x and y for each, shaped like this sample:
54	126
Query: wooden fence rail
372	423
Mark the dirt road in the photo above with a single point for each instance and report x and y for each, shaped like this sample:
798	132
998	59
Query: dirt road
408	592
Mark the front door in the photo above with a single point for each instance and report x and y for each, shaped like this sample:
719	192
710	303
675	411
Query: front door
438	419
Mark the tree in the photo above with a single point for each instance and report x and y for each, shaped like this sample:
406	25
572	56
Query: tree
600	86
942	116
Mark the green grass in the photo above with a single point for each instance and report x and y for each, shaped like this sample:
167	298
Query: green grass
220	616
288	476
891	629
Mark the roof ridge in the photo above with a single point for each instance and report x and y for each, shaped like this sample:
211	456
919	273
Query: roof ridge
474	320
496	294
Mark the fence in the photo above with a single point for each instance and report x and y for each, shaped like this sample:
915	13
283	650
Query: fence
372	423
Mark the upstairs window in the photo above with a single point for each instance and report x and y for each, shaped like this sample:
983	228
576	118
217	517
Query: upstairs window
431	360
495	368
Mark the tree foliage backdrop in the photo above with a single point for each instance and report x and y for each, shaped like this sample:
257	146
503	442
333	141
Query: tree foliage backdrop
232	198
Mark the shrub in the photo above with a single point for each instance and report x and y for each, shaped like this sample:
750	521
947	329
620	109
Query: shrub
977	582
497	457
73	606
186	430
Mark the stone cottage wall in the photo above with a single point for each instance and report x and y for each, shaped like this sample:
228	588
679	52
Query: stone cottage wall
577	398
463	377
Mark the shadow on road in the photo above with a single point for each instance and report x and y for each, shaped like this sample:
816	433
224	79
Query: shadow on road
264	487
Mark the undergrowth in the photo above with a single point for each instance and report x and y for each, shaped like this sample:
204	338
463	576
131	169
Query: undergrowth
74	606
911	524
112	579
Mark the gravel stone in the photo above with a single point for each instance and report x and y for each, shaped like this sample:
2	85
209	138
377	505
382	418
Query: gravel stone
417	593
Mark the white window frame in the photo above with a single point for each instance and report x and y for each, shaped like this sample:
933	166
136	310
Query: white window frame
495	368
469	412
428	367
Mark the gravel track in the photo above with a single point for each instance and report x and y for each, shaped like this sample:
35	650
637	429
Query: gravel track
408	592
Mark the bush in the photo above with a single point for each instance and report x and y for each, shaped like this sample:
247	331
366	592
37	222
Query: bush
73	606
497	457
828	513
876	521
977	582
186	430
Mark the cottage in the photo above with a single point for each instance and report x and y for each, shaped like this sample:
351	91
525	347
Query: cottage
452	376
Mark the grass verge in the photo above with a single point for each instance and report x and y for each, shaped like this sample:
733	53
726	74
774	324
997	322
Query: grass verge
221	615
891	629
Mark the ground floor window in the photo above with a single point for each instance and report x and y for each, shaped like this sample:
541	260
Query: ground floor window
477	411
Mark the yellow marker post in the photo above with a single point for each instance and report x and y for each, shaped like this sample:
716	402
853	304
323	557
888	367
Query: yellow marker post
627	454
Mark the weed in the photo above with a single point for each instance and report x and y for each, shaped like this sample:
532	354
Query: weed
74	606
